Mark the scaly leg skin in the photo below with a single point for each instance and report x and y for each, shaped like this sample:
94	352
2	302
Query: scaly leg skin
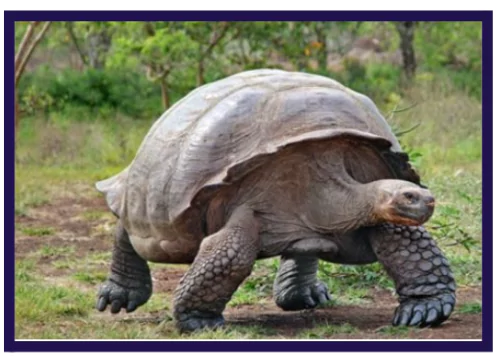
224	260
423	279
129	284
296	286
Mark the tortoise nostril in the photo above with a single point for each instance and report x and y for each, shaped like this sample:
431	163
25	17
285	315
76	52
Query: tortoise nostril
430	201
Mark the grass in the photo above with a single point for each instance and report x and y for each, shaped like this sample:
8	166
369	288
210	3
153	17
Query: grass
327	330
38	231
58	158
37	301
394	330
470	308
92	278
92	215
51	251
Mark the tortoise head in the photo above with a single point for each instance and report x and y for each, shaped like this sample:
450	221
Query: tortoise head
404	203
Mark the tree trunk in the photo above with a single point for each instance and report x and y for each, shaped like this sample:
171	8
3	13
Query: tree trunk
74	39
98	47
16	113
200	72
26	49
406	34
165	93
323	50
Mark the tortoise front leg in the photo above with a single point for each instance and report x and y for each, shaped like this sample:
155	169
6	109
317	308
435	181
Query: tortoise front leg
422	276
224	260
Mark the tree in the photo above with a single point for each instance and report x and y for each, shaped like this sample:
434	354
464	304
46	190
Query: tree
250	45
207	35
92	41
32	37
160	47
405	30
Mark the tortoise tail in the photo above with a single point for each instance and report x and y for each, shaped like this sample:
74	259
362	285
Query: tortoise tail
113	190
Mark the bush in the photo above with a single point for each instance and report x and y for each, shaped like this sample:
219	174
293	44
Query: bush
124	91
378	81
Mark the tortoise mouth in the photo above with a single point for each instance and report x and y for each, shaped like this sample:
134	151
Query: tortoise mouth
410	215
407	214
404	219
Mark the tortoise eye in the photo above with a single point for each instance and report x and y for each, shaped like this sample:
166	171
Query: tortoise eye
409	195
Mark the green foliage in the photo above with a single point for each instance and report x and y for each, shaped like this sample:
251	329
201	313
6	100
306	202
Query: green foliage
446	227
163	45
184	54
379	81
450	44
113	90
453	48
351	284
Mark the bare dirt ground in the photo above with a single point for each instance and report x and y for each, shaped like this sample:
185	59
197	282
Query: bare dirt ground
86	236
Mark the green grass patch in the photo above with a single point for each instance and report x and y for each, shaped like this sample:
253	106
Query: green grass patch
327	330
94	215
24	270
467	267
38	231
93	278
64	263
394	330
56	251
158	302
258	286
470	308
99	258
37	301
352	284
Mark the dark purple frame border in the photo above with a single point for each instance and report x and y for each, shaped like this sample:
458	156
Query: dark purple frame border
486	17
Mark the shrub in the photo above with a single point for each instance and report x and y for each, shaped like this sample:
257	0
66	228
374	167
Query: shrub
124	91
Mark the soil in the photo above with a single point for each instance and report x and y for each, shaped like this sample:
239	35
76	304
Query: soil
372	320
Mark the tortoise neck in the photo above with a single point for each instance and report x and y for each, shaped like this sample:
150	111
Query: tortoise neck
343	205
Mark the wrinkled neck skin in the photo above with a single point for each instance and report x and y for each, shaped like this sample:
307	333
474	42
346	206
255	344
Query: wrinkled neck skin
339	206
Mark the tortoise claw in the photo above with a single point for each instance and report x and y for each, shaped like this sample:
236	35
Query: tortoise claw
119	297
427	311
307	297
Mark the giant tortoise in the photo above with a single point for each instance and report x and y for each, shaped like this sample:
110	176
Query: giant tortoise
272	163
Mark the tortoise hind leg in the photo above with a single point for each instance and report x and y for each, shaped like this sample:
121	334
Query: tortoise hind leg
224	260
296	286
422	275
129	284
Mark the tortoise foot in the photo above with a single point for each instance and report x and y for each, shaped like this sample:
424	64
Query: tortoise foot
304	297
197	320
118	296
424	311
